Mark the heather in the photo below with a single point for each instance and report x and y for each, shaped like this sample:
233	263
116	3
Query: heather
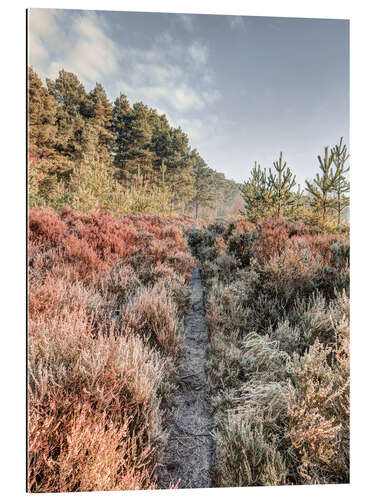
278	316
107	298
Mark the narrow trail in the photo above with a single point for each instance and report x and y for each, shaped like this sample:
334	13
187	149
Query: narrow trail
188	454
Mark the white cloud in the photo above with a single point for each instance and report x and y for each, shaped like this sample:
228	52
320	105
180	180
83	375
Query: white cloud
38	52
169	75
82	47
43	22
181	98
93	54
201	131
155	73
194	128
42	26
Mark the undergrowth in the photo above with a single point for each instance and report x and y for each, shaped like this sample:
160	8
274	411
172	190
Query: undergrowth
278	318
106	302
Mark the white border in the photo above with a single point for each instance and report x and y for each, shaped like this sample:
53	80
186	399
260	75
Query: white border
362	211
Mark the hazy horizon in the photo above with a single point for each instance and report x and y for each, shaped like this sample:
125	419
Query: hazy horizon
243	88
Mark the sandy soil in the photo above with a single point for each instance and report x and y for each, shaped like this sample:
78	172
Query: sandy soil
188	454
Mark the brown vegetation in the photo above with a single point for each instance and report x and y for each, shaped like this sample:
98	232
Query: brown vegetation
106	301
278	317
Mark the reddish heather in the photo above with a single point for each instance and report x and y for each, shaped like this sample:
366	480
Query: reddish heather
106	301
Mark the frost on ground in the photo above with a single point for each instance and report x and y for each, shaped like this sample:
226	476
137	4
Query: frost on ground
188	454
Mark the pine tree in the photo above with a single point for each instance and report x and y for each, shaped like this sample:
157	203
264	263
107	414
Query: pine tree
98	110
171	148
71	99
68	92
139	154
204	193
121	128
257	194
133	135
281	184
43	162
219	184
340	157
82	146
180	174
41	118
322	189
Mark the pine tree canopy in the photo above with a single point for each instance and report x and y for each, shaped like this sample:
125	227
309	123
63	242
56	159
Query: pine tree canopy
42	110
281	184
73	134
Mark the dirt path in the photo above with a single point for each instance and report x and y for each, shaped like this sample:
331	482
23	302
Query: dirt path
189	450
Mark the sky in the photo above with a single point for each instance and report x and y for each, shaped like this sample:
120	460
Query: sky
242	88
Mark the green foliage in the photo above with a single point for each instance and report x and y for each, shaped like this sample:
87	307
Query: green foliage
121	119
204	188
340	157
98	110
138	155
41	118
145	142
274	194
322	188
266	194
137	151
285	201
92	186
257	194
87	153
71	99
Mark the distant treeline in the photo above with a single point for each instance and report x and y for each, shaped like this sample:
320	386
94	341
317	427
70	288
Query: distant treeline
86	152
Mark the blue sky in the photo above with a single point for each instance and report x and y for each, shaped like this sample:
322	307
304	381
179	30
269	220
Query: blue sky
243	88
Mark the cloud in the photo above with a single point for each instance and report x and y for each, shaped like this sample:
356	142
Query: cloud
169	75
194	128
199	130
155	73
93	54
181	98
42	27
236	23
77	44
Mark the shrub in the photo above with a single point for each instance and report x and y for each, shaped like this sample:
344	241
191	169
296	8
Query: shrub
278	321
245	457
106	300
153	314
319	415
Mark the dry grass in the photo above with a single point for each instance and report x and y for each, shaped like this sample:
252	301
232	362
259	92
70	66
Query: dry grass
106	301
278	317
